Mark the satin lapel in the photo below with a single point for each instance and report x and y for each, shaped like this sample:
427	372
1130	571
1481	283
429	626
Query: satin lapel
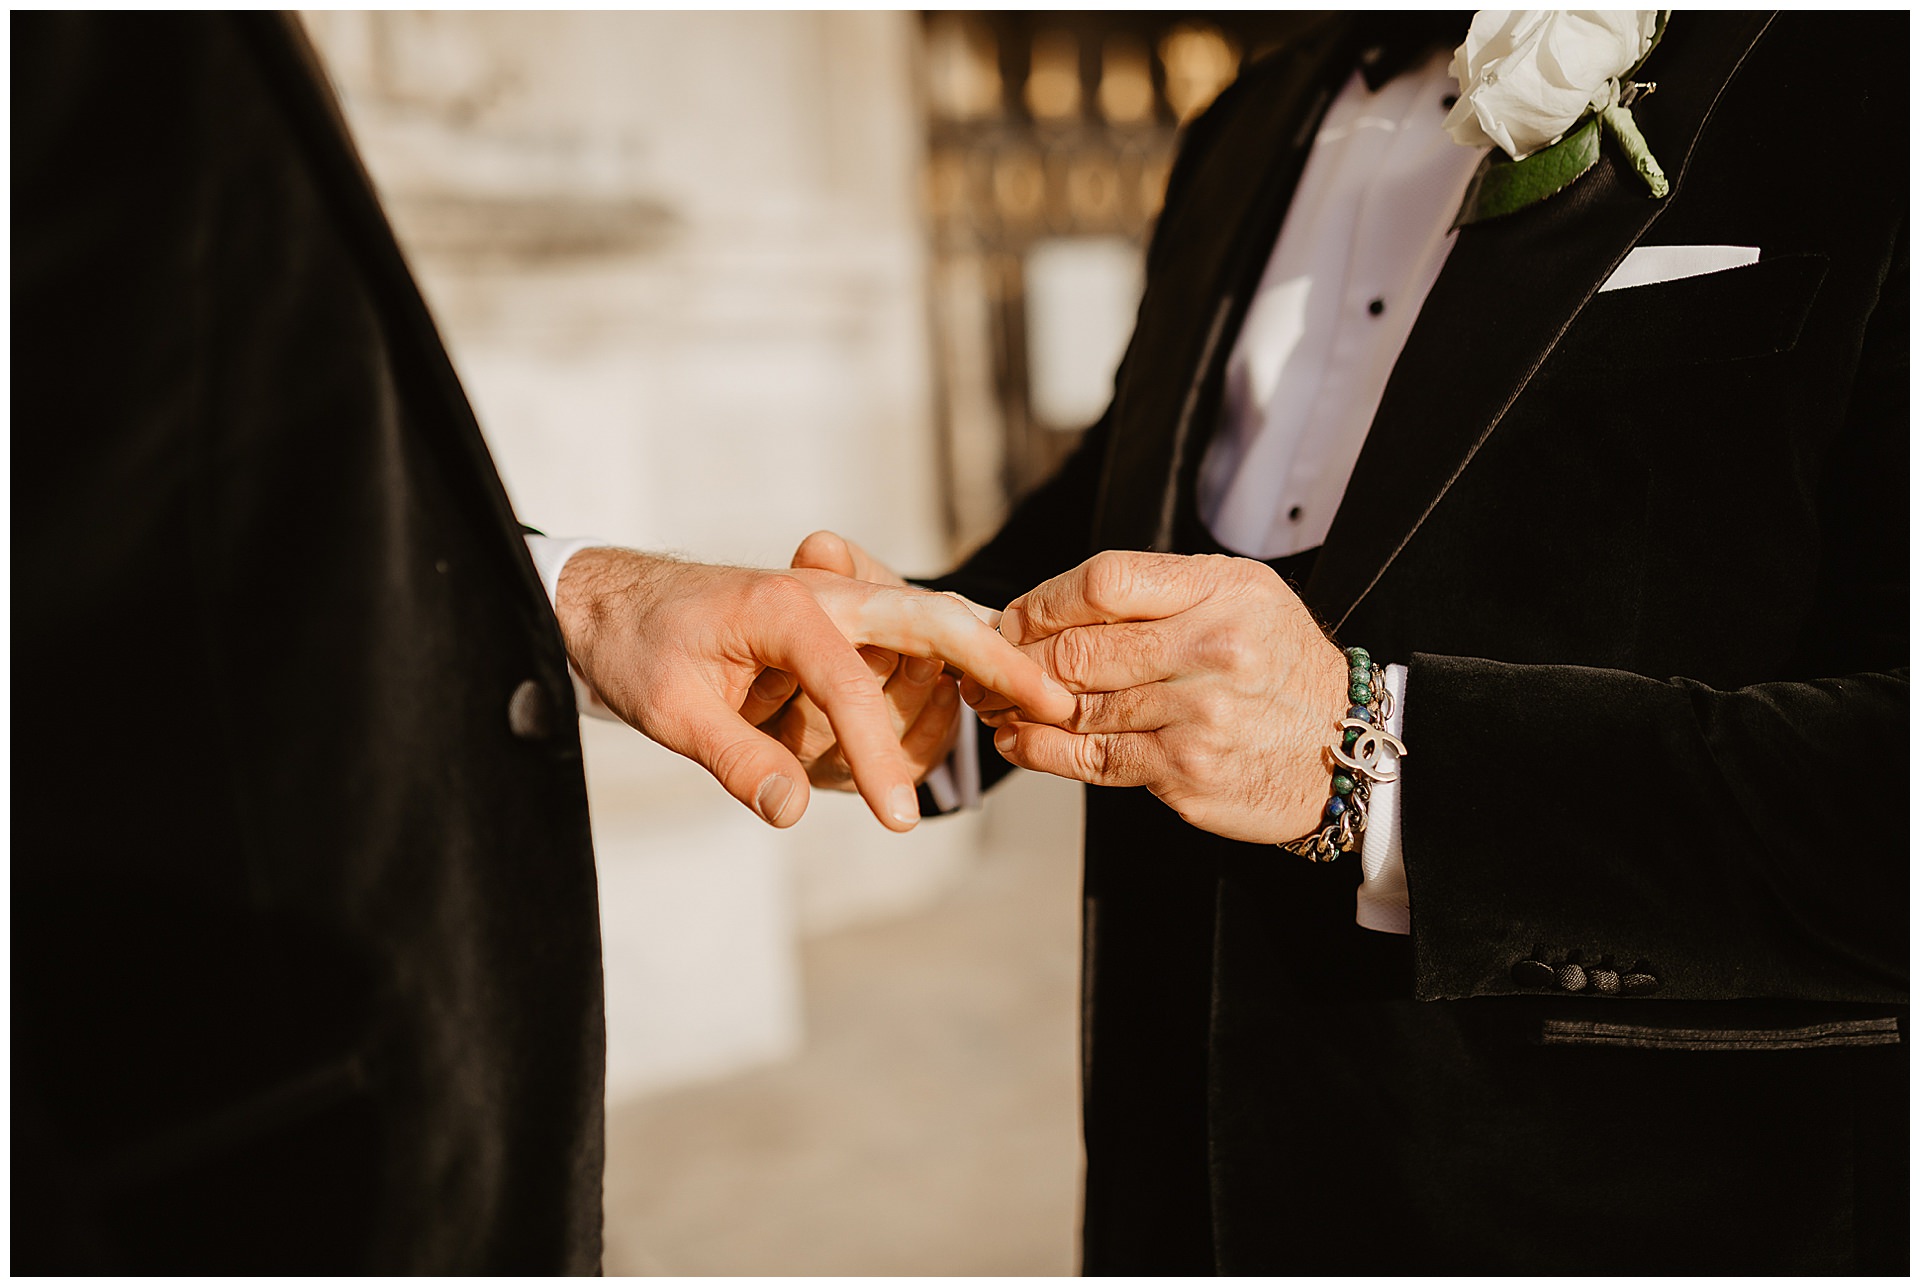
1199	285
1509	291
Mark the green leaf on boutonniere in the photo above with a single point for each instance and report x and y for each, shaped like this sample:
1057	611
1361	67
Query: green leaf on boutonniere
1500	186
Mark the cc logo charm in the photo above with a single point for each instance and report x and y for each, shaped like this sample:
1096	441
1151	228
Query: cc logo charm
1367	750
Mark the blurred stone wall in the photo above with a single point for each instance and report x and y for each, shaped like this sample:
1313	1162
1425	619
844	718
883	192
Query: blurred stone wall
680	263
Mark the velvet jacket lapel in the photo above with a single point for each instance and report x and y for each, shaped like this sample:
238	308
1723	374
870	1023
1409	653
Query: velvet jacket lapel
1510	289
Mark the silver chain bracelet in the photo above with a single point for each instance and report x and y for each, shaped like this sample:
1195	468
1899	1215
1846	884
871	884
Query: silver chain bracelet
1357	752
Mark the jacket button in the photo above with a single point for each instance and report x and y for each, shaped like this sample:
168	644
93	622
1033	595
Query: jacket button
1572	977
530	712
1638	983
1533	974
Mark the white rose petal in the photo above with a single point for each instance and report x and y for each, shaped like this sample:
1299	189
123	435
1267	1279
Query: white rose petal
1526	75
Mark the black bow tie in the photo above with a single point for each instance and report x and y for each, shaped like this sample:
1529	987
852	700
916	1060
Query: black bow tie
1390	43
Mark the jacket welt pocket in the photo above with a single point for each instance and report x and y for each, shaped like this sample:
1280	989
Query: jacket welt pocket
1716	317
1814	1036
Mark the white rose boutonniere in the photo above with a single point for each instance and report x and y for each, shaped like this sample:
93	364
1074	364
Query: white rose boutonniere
1541	85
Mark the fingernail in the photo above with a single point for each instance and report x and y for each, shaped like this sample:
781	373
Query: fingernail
773	797
921	669
770	683
1003	740
902	804
1011	622
944	696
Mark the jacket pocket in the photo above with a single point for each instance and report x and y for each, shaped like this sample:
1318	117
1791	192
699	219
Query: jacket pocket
1716	317
1814	1036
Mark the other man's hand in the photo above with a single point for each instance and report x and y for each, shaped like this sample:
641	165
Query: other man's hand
1202	678
674	648
922	699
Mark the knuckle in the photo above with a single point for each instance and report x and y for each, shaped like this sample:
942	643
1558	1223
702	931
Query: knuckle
1072	656
777	594
1261	575
1088	710
852	688
1229	567
1214	709
1110	579
1226	648
960	600
1191	760
1211	649
954	618
730	762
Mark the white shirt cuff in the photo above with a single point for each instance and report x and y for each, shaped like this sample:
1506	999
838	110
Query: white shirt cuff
550	555
1381	901
955	783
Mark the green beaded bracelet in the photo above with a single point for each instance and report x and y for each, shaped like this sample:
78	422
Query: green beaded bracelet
1345	816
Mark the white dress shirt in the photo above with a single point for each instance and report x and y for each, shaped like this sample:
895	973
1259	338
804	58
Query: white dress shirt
1363	241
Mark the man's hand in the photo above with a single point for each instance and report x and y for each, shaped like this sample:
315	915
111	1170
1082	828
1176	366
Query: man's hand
674	649
1202	678
922	699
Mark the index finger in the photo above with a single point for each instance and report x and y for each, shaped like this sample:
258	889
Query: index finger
1113	585
921	623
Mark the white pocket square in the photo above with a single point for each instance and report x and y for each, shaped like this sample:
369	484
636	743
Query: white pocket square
1646	265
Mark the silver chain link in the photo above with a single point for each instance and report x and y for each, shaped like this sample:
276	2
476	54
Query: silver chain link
1343	834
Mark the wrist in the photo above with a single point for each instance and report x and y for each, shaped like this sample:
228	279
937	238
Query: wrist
551	554
594	580
1321	703
1334	690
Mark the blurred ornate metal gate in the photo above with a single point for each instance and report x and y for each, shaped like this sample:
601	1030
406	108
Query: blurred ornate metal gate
1050	137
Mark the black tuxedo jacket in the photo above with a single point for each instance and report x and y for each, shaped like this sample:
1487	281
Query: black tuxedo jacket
305	955
1645	554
